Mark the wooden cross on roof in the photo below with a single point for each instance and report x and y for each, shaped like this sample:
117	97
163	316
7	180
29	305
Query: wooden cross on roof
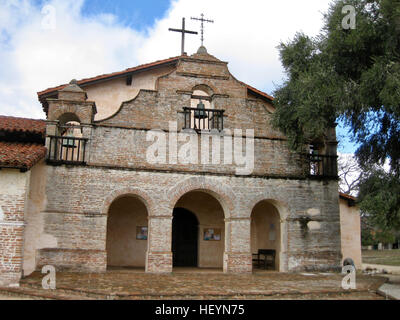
202	25
183	31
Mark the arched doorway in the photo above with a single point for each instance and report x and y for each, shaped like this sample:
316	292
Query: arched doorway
199	215
266	231
126	242
184	238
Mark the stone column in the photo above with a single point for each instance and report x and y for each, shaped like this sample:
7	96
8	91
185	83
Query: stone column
159	254
237	255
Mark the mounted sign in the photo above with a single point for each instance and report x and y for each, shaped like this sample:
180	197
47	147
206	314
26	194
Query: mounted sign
211	234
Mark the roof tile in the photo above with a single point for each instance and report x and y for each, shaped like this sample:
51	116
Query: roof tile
20	155
137	68
109	75
13	124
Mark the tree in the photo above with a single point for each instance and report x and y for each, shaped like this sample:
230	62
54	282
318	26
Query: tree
379	197
346	74
350	174
373	235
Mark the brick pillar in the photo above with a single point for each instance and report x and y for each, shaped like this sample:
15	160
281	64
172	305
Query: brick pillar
237	255
159	254
11	250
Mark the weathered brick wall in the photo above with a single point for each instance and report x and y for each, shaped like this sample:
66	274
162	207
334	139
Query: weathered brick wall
13	186
321	222
79	260
84	110
152	109
79	197
127	148
116	145
11	243
203	66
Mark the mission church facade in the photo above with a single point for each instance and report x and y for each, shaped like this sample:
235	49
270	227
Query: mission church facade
83	196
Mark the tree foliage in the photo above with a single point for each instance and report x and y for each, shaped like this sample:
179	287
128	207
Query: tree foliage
379	197
347	74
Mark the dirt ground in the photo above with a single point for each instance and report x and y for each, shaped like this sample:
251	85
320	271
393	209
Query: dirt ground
126	284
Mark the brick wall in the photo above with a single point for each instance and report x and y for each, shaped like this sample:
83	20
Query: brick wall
78	197
127	148
13	186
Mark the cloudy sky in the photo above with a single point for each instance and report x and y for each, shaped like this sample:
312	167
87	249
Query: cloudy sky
47	43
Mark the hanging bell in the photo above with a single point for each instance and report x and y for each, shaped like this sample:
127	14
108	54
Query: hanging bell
69	143
200	113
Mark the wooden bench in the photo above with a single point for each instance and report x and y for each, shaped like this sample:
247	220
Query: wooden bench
264	258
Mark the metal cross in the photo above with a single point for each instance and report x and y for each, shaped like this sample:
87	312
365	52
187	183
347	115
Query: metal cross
202	25
183	31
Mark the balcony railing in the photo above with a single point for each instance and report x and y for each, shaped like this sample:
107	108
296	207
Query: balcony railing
67	150
203	119
322	165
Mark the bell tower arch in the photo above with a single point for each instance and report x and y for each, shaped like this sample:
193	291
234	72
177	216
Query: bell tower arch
69	124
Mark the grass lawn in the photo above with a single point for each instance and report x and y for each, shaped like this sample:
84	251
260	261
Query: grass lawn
386	257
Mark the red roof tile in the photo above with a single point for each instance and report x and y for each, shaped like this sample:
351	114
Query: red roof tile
138	68
347	196
20	155
110	75
254	90
13	124
351	201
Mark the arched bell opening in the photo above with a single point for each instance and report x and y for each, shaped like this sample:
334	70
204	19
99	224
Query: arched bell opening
200	117
68	144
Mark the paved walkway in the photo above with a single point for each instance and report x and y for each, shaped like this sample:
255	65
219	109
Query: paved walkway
391	291
183	284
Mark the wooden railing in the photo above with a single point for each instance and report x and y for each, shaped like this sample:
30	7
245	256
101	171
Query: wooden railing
203	119
68	150
322	165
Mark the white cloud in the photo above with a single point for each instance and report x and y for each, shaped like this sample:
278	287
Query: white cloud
36	58
244	33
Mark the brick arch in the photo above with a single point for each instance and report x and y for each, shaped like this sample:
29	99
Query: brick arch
204	87
81	114
283	211
278	202
134	192
223	194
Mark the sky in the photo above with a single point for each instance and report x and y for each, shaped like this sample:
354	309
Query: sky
47	43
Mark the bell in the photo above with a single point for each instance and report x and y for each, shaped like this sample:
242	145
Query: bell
200	113
69	143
